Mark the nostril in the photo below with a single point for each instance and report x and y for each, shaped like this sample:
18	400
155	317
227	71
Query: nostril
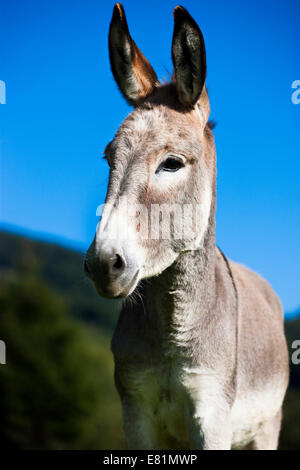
119	263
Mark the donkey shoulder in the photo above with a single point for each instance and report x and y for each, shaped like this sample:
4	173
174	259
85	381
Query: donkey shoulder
260	318
256	291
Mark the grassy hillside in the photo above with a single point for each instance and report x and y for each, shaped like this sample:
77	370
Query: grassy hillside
56	390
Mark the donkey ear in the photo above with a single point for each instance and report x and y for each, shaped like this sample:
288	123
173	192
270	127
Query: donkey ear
133	73
189	58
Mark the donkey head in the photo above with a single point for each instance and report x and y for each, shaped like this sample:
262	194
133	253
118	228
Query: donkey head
162	162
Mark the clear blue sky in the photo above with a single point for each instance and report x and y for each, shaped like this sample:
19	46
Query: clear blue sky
63	107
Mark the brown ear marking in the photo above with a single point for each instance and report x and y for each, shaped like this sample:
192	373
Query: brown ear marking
189	57
132	71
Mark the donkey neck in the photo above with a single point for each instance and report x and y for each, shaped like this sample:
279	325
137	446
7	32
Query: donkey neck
181	297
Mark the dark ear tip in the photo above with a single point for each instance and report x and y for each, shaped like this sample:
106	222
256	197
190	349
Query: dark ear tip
118	12
119	19
179	11
181	15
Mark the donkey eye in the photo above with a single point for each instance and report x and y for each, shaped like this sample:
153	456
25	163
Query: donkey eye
170	164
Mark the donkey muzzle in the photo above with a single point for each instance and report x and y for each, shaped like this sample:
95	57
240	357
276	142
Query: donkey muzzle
114	274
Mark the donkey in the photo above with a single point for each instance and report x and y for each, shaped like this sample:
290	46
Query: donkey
201	360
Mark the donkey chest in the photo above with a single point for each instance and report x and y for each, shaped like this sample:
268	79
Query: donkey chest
162	397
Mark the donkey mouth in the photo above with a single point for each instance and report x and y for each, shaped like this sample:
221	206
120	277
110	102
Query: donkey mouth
130	287
115	291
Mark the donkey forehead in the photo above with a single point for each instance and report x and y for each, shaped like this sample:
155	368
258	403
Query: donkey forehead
148	129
